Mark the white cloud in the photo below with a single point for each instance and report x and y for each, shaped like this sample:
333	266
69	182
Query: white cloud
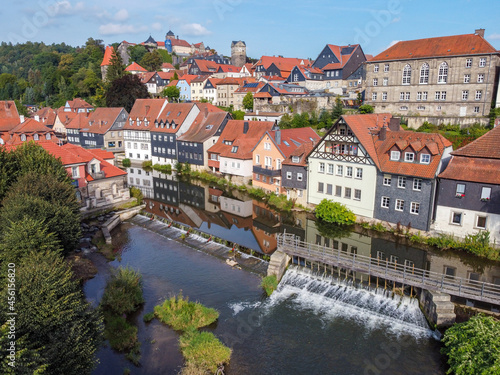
121	15
195	29
116	29
494	36
64	7
157	26
396	19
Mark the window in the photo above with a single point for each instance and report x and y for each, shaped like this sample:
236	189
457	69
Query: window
385	202
443	73
340	170
288	175
417	184
267	146
476	109
359	173
406	74
257	159
386	68
23	137
485	193
415	208
357	194
268	161
438	95
479	94
338	191
465	94
385	81
419	95
35	137
393	259
74	172
330	168
424	74
395	155
481	222
384	96
480	78
456	218
460	192
321	168
409	156
400	205
320	187
299	176
348	171
380	255
375	68
375	81
374	96
401	96
329	189
466	78
387	179
347	193
482	62
443	95
468	63
295	159
402	182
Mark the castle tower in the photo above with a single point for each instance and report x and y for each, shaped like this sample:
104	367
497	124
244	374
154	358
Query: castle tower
238	53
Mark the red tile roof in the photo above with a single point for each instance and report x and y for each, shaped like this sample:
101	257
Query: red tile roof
167	66
103	154
30	126
228	69
180	43
205	125
302	151
472	169
487	146
173	113
266	61
78	103
101	120
233	132
148	109
342	58
291	139
166	75
65	117
206	66
134	67
9	117
262	95
253	89
456	45
188	78
79	121
46	115
173	82
108	53
146	77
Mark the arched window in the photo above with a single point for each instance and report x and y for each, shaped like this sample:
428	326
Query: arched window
35	137
424	73
443	73
47	136
23	137
407	74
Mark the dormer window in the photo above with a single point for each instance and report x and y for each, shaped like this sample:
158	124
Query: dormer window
23	137
131	122
425	158
409	156
295	159
395	155
47	136
234	149
35	137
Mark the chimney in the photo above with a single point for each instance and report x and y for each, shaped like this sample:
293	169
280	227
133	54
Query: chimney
245	127
37	118
205	112
277	136
382	135
479	32
394	124
21	118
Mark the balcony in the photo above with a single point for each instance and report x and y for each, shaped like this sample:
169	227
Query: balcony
266	170
98	175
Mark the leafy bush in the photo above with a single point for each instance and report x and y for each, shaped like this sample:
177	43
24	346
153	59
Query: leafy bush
122	335
181	314
427	127
163	168
204	350
473	347
334	212
280	202
148	317
147	164
123	293
269	283
126	162
365	108
136	193
379	227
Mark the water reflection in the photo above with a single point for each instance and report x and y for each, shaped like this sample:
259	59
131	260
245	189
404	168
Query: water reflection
235	217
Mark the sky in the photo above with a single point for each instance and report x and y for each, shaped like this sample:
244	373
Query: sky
269	27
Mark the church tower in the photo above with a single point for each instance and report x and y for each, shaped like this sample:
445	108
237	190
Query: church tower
238	53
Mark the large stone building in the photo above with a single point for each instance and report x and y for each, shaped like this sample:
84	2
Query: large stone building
451	79
238	53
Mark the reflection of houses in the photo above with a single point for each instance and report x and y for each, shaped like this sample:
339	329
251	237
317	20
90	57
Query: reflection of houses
236	207
192	195
98	183
468	199
266	224
141	179
398	253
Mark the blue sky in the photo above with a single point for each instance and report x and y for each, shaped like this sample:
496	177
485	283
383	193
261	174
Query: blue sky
289	28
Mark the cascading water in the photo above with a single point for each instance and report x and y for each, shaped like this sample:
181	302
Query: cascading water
330	299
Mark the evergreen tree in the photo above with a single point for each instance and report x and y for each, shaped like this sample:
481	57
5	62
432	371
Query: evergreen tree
151	61
116	69
337	110
125	91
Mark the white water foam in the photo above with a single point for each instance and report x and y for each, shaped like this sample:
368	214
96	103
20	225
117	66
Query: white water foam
238	307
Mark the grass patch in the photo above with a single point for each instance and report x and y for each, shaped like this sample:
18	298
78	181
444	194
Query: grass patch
123	293
204	350
181	314
148	317
269	283
122	335
192	369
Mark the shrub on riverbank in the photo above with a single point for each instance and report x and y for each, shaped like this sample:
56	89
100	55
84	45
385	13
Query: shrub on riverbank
204	350
269	283
473	347
334	212
123	293
181	314
137	194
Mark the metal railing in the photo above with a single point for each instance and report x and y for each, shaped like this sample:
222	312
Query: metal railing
401	273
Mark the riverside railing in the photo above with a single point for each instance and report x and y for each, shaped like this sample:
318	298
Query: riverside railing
401	273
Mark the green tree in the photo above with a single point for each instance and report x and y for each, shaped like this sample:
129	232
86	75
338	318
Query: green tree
473	347
238	115
123	293
175	77
337	109
21	109
137	52
334	213
124	91
172	93
248	101
151	61
53	316
365	108
116	69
